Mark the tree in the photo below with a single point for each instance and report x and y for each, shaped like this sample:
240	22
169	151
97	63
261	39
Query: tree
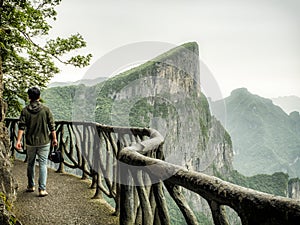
27	61
25	58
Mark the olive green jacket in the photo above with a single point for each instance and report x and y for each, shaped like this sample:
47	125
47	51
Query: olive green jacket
37	121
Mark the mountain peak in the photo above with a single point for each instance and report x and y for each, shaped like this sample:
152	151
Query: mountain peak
239	91
265	139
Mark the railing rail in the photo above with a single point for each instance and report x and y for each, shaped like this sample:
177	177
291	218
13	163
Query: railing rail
93	149
253	207
127	165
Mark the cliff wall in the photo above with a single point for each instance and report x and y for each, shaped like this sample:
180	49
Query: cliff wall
294	188
165	94
7	183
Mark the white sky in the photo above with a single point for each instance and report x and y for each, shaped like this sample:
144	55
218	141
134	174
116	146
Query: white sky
245	43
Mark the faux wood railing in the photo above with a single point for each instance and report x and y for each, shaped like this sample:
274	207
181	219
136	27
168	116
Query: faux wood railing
126	164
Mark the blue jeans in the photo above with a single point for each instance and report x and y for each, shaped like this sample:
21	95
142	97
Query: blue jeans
42	152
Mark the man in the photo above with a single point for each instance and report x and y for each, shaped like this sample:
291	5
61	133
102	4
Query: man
37	121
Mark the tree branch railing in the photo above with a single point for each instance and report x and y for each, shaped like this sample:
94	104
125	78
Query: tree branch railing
126	164
253	207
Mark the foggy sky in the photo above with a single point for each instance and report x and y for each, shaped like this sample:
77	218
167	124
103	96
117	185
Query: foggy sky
244	43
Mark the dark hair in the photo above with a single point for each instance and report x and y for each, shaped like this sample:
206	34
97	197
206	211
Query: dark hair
33	93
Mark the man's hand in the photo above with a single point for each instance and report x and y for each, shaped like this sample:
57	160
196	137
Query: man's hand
19	138
19	145
54	142
54	139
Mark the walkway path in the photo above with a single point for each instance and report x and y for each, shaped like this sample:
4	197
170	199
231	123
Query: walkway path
68	203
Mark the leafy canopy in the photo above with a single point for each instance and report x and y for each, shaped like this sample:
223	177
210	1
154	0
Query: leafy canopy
27	58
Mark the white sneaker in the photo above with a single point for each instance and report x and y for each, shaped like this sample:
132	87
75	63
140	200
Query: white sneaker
43	193
30	189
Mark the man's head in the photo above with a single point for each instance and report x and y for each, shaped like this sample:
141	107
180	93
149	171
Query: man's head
33	93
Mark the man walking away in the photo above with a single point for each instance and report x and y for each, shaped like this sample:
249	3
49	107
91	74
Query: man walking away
37	121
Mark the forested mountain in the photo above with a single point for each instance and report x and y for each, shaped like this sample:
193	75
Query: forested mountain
62	102
73	103
265	138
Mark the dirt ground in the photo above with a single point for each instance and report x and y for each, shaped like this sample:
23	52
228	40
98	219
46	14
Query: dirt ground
69	201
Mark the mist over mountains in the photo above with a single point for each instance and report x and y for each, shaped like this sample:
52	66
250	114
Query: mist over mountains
288	103
265	138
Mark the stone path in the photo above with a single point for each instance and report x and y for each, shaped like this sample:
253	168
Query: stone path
68	203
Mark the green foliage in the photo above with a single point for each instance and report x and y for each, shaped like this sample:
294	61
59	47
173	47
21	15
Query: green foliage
5	201
116	83
145	109
103	110
61	101
294	180
141	113
205	116
191	46
8	206
276	183
73	102
27	59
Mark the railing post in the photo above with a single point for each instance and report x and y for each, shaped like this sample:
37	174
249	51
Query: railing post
161	205
62	148
126	207
61	167
98	192
218	213
117	199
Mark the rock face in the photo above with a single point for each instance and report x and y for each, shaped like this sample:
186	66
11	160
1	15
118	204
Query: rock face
165	94
7	184
294	189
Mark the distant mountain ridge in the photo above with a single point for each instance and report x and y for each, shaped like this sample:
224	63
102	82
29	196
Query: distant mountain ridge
265	138
86	82
288	103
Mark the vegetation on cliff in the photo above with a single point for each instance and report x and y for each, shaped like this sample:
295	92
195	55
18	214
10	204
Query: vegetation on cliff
276	184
